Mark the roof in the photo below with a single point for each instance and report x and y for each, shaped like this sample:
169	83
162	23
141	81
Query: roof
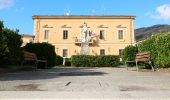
83	17
27	35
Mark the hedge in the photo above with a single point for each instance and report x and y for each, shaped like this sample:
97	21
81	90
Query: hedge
43	50
95	61
59	60
159	48
67	62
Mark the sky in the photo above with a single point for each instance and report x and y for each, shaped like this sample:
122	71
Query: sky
17	14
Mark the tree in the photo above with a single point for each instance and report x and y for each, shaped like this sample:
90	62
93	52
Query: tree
1	26
4	51
10	45
129	53
14	43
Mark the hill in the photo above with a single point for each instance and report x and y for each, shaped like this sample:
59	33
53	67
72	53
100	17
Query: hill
144	32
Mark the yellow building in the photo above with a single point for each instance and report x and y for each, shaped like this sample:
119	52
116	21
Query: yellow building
27	38
107	35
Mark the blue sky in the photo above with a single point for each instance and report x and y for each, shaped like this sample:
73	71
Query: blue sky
18	13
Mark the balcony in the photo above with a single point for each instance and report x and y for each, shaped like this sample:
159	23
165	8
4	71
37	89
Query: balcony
78	42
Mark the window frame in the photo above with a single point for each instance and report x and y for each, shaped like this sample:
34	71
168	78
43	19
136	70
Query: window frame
102	34
65	34
63	53
102	52
46	34
120	34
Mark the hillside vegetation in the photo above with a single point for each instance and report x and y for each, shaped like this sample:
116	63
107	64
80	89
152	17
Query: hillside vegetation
145	32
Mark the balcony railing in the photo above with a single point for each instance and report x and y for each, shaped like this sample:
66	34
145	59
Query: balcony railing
79	41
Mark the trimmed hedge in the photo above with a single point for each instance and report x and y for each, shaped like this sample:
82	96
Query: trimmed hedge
95	61
159	48
43	50
67	62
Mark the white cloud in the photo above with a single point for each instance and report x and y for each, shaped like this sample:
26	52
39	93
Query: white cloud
162	12
5	4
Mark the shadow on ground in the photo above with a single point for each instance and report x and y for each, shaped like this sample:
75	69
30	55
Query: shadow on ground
50	73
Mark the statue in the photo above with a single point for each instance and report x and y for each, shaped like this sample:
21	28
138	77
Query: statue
84	33
84	36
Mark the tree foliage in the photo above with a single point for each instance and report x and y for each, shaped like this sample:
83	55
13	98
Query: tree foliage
14	43
159	48
3	46
129	53
10	46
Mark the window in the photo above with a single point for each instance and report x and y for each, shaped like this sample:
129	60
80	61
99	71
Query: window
120	53
101	34
102	51
65	52
46	34
120	34
65	34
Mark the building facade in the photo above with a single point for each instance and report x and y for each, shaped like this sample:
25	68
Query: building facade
107	35
26	38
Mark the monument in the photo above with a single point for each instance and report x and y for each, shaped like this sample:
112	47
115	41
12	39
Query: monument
84	36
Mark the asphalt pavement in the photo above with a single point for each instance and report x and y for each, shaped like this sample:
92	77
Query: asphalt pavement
85	83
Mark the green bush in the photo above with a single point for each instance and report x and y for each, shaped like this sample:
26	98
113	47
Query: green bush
129	53
67	62
82	60
43	50
159	48
106	61
59	60
95	61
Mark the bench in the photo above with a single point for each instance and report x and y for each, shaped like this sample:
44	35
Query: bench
142	57
31	57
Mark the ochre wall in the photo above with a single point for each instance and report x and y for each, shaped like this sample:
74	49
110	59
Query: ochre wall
26	39
111	43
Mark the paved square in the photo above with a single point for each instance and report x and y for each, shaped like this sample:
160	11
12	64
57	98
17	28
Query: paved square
85	83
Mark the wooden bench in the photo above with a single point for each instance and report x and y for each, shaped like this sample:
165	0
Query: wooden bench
31	57
142	57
